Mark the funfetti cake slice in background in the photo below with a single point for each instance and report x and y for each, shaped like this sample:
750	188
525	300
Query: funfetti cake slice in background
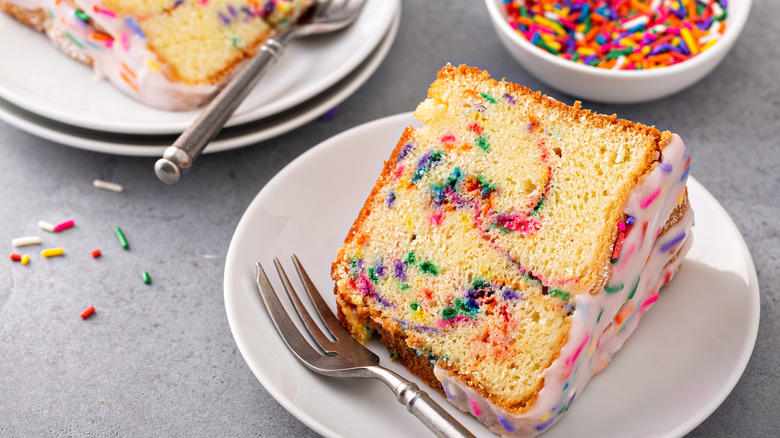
168	54
512	244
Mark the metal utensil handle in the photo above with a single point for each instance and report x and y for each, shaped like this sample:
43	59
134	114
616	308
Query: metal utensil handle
419	403
178	158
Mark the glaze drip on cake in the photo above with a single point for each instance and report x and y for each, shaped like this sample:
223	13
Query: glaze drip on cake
169	54
511	245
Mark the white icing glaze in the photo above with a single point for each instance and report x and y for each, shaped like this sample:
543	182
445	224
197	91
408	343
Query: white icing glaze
647	260
126	61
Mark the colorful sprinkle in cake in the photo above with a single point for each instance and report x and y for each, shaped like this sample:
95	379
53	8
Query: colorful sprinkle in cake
169	54
512	244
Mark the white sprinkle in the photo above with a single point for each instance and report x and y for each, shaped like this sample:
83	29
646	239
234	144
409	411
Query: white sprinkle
27	240
45	226
105	185
630	24
621	61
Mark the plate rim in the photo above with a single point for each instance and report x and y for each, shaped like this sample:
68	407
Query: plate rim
715	401
356	59
67	135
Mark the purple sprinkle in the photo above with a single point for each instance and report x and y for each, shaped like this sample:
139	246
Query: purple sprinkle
670	244
630	220
407	148
509	98
269	7
390	199
380	270
223	18
666	167
507	425
331	113
510	294
232	10
399	270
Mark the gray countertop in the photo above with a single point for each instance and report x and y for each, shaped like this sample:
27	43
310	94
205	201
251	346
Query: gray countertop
160	360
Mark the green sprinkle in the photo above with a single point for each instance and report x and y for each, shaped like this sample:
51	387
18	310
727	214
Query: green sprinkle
74	40
633	291
414	306
147	278
448	313
482	142
599	317
559	293
121	236
427	267
410	258
372	275
81	15
613	289
488	97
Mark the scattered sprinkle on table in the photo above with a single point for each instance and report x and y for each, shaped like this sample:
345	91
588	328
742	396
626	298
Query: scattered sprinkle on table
121	236
52	252
15	257
46	226
64	225
624	34
109	186
27	240
96	253
25	259
88	312
147	279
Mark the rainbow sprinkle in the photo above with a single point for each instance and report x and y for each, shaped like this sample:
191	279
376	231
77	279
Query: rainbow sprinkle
620	34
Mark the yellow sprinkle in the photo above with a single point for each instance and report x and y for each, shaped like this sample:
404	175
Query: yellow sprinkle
555	27
25	259
546	416
586	51
150	62
52	252
709	44
690	41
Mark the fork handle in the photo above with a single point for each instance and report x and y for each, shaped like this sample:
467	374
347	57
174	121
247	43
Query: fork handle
178	158
419	403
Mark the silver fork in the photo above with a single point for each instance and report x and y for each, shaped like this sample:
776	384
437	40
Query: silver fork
325	16
343	356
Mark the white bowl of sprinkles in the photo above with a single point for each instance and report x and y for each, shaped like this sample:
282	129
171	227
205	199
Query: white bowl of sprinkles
648	50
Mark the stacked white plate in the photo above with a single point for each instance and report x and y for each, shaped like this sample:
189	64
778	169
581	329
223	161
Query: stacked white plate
59	99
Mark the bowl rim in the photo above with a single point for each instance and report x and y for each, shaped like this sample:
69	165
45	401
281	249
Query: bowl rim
738	16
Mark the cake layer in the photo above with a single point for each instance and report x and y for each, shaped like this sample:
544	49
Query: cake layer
169	54
509	243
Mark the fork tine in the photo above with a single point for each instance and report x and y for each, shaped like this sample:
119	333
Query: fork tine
314	330
289	333
330	320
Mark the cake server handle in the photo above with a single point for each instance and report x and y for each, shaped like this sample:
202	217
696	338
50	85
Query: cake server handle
419	403
178	158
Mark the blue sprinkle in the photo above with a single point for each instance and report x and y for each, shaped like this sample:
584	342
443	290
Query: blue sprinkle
134	26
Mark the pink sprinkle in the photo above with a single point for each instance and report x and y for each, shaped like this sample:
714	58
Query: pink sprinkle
649	302
109	44
649	200
105	12
125	41
64	226
449	138
573	357
475	408
622	226
436	218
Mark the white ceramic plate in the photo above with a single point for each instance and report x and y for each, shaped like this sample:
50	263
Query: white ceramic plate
229	138
56	87
681	363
